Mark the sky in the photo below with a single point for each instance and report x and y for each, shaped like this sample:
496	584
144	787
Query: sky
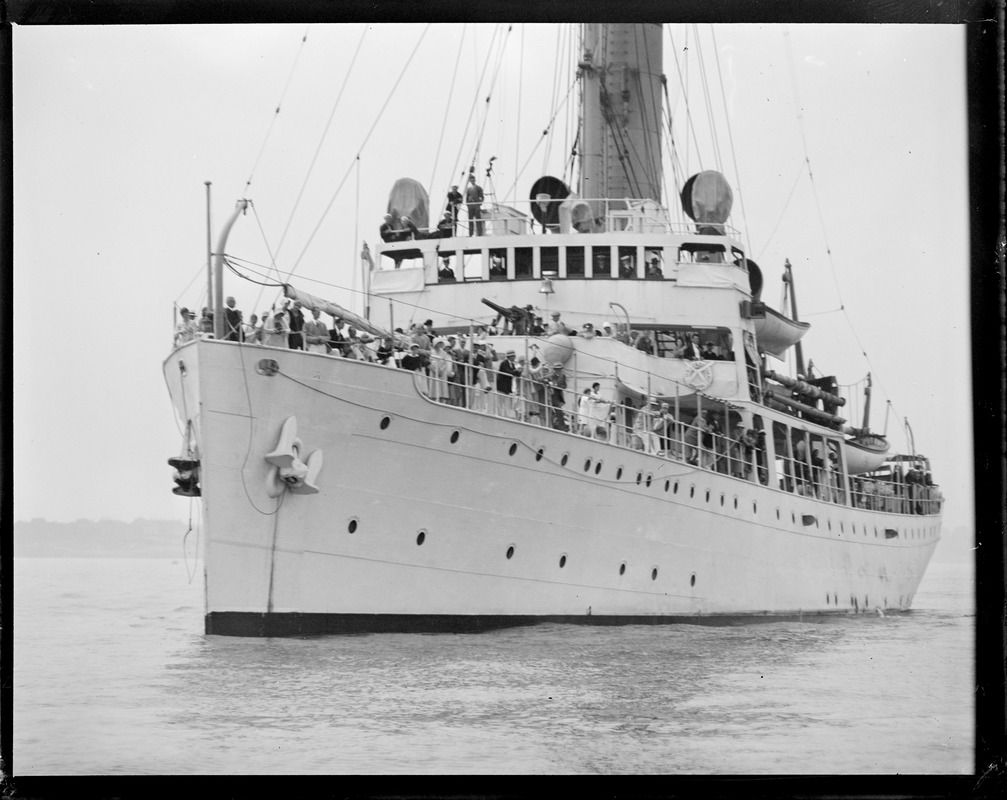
845	146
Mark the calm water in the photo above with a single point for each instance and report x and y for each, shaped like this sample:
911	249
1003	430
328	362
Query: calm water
113	676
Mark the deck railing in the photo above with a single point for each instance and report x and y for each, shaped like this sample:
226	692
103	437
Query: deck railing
537	398
534	400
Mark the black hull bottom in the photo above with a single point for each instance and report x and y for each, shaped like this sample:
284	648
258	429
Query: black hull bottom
242	623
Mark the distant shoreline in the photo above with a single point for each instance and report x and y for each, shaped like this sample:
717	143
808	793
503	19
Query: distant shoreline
141	538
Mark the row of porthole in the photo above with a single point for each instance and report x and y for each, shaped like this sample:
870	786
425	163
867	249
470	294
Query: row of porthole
353	523
385	421
421	537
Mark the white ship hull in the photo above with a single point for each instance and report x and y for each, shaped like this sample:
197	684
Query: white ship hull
610	536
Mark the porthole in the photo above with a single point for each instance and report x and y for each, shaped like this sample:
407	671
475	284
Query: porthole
513	449
510	552
562	461
777	513
622	568
562	561
692	579
454	436
597	468
735	503
650	479
842	528
826	599
793	518
692	491
722	500
539	454
352	527
587	465
707	495
385	422
639	478
755	508
618	473
667	485
674	489
653	574
830	524
421	537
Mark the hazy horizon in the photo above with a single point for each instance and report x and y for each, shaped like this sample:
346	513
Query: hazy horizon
116	129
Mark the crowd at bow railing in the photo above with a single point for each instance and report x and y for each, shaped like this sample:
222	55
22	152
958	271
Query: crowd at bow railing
467	372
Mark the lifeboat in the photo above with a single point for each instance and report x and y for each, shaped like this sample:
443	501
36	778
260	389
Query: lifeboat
775	332
865	453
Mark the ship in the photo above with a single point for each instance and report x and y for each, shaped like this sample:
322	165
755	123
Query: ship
511	461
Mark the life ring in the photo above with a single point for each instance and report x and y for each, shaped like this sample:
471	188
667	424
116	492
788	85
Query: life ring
698	375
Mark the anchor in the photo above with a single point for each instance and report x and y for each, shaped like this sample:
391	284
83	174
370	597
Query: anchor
186	468
186	476
287	470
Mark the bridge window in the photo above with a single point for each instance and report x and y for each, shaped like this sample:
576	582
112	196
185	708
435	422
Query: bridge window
627	262
601	261
498	264
522	262
574	262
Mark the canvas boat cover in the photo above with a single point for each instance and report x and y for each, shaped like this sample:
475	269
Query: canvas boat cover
408	198
311	302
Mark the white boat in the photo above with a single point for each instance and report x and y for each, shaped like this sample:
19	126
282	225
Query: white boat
341	494
865	453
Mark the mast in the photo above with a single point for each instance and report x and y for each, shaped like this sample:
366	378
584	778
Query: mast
621	107
867	404
788	279
209	250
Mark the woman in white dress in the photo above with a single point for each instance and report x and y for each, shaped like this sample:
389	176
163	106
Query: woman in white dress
441	368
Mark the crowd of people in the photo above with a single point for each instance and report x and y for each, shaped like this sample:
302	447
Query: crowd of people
288	326
911	493
467	372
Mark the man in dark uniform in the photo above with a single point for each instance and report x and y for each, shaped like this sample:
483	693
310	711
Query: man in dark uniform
474	204
446	227
295	337
454	201
232	322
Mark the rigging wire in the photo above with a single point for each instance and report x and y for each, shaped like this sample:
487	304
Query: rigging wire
360	149
655	104
730	137
555	92
276	113
545	134
472	111
520	98
447	109
321	141
492	87
786	205
708	102
269	250
200	271
821	220
691	127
